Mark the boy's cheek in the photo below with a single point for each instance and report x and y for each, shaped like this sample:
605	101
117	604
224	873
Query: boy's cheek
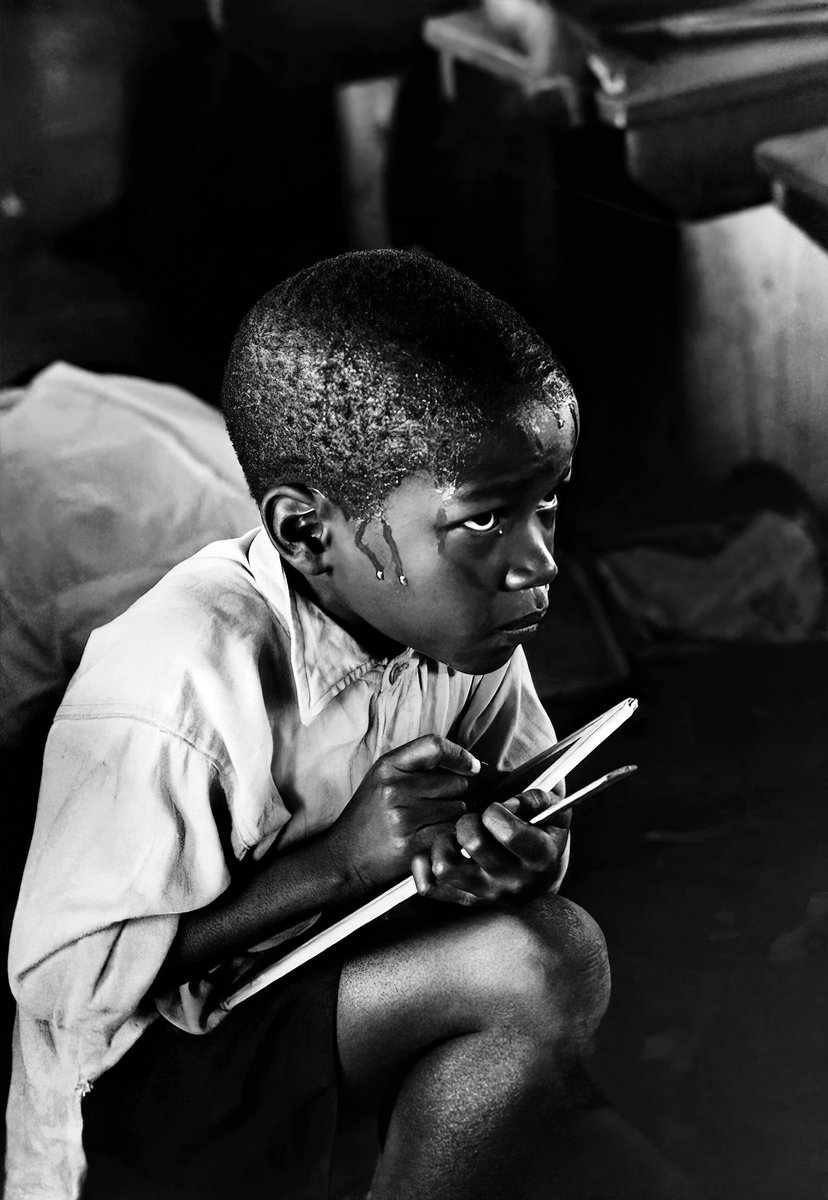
473	562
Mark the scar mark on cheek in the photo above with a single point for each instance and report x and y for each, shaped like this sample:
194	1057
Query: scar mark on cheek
359	542
395	554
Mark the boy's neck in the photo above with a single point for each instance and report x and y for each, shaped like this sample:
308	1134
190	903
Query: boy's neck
375	644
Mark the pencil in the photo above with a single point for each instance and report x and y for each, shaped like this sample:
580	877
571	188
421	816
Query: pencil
589	789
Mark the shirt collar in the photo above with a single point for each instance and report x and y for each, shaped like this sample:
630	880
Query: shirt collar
324	657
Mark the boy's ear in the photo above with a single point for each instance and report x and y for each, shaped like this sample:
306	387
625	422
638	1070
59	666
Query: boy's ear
296	520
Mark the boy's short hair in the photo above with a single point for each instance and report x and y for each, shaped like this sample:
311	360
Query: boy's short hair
369	367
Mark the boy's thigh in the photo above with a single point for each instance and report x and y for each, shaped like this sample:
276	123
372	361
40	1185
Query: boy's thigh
251	1108
455	970
247	1110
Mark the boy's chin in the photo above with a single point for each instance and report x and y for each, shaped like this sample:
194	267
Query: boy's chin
480	662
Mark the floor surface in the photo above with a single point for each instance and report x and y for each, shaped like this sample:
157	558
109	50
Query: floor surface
708	873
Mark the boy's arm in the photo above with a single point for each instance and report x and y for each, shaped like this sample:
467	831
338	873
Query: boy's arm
127	889
408	797
296	883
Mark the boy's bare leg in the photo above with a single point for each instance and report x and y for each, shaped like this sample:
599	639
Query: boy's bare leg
467	1032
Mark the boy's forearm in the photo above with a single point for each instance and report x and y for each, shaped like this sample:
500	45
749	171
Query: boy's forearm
290	886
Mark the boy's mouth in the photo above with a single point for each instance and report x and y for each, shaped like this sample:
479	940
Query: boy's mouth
526	622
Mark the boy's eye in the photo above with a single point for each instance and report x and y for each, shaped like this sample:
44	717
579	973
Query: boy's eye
549	503
484	523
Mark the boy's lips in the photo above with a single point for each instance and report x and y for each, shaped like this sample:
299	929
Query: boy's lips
527	621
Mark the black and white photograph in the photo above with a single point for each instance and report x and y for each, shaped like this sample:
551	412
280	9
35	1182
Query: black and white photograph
414	599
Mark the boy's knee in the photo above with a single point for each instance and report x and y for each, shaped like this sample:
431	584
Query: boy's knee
578	956
548	970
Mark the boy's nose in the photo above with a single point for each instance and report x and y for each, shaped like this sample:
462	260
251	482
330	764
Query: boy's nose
533	564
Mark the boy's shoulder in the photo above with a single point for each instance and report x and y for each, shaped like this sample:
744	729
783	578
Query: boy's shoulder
204	625
213	593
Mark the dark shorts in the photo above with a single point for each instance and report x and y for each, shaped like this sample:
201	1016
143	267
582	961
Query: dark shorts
246	1111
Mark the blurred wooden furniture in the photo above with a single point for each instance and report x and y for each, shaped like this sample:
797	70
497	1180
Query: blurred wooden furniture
798	170
559	90
691	100
692	112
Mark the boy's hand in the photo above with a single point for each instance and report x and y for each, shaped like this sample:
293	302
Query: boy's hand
508	857
408	797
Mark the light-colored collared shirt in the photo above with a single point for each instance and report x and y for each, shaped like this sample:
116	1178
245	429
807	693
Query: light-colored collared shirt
223	712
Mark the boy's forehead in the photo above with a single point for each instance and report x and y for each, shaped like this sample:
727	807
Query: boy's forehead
517	448
527	439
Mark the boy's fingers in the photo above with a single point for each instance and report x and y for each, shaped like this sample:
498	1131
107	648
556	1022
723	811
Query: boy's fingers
444	855
454	878
436	785
434	822
535	801
432	888
536	848
423	875
558	820
431	753
482	848
505	855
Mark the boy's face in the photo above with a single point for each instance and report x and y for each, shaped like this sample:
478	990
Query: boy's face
476	559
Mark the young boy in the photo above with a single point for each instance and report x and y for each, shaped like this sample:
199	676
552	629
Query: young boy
288	723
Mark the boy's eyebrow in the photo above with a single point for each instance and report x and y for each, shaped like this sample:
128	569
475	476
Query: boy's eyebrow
468	493
474	493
